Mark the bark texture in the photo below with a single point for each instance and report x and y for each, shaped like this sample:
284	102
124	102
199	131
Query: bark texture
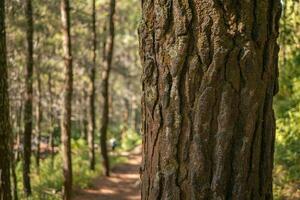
67	101
5	128
209	77
92	122
28	99
108	54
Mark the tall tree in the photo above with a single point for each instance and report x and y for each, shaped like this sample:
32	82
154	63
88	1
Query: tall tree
28	99
15	144
5	129
84	123
209	77
52	118
39	116
108	54
92	123
67	101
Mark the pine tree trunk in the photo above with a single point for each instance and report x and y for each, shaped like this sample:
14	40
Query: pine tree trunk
85	113
92	124
109	44
5	129
52	119
38	119
67	101
209	77
14	179
28	100
15	146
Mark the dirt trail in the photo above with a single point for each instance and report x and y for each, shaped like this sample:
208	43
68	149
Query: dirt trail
123	184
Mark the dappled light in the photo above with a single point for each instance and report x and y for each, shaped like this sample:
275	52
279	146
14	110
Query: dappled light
149	100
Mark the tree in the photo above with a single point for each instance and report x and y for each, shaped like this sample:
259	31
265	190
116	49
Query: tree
5	129
39	116
92	75
67	101
109	46
28	99
52	118
209	77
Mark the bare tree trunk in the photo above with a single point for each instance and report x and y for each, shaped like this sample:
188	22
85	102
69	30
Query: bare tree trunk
15	155
109	44
92	125
52	119
20	131
67	101
5	128
84	120
28	100
209	76
38	118
14	176
137	121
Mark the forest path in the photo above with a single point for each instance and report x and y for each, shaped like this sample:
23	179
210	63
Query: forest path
123	184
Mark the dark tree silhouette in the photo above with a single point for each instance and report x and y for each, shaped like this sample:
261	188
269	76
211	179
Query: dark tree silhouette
28	99
108	54
5	129
92	75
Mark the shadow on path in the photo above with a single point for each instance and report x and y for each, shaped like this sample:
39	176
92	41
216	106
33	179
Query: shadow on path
123	184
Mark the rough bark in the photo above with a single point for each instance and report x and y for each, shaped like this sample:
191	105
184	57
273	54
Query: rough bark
209	77
28	99
92	75
109	45
67	101
5	128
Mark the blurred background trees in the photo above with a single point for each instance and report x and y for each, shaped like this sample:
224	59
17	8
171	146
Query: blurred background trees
48	82
287	105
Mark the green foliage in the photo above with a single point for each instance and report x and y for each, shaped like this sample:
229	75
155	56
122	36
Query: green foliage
130	140
287	155
287	149
47	183
287	107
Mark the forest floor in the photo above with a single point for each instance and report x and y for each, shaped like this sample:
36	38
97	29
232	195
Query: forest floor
123	184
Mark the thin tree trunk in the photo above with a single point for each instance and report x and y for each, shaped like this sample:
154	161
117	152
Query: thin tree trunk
283	42
84	120
52	120
137	121
105	85
14	175
38	119
92	125
28	100
209	77
20	131
67	101
5	128
15	155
